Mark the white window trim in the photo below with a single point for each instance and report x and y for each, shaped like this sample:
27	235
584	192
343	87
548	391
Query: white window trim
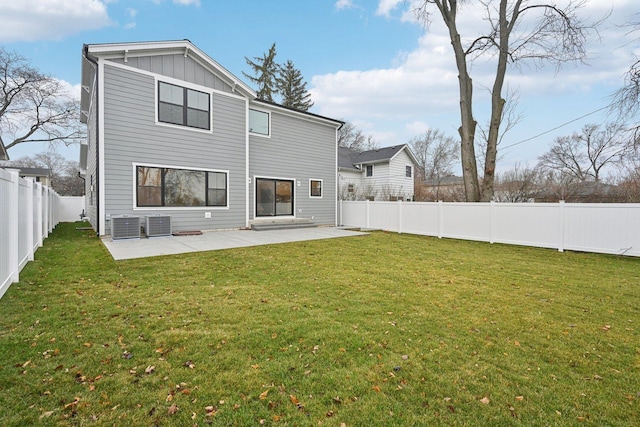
321	188
261	135
187	85
405	171
372	171
176	208
296	184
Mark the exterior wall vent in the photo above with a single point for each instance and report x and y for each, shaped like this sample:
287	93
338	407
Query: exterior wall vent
125	227
158	225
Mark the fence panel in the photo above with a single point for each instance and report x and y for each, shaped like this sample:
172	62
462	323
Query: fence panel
8	265
532	225
469	221
421	218
28	212
608	228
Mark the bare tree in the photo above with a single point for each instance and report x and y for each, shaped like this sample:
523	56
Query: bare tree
626	100
585	155
34	107
350	136
63	173
518	30
435	152
517	185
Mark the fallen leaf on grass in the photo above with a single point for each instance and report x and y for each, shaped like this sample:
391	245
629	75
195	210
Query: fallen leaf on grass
606	327
150	369
46	414
189	364
519	397
127	355
172	409
485	400
263	395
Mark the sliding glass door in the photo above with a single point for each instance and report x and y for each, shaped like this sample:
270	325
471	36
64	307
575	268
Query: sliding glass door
274	197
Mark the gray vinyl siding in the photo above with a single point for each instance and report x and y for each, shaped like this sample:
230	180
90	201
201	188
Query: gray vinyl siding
177	67
131	136
91	191
301	150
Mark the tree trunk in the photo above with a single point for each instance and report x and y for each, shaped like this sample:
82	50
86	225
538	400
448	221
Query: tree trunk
468	124
497	102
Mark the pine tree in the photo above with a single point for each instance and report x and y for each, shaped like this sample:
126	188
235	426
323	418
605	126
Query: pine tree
292	87
265	70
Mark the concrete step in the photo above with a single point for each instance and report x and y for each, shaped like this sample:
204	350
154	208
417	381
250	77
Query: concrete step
282	225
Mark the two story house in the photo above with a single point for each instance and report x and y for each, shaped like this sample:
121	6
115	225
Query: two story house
382	174
172	132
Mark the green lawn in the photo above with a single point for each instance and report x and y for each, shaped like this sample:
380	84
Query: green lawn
383	329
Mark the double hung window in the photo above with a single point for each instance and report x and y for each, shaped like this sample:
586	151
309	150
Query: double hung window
183	106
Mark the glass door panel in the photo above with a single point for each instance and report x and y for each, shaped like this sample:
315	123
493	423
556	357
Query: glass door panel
274	197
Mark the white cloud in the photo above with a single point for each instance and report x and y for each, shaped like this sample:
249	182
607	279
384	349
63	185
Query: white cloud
420	89
187	2
29	20
386	6
344	4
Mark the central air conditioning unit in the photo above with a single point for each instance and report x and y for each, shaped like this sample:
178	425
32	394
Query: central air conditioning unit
158	225
125	227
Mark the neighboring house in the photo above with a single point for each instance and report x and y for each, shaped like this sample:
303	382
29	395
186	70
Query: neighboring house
3	151
172	132
41	175
449	188
383	174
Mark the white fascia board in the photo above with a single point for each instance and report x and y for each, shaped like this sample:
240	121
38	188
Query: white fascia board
184	47
298	114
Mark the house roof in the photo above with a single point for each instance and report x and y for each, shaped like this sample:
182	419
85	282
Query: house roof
344	159
33	171
294	111
348	158
384	154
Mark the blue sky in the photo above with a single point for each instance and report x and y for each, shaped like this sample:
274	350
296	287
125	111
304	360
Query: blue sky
365	61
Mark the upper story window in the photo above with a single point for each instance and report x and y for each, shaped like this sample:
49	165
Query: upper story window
183	106
408	171
259	122
369	170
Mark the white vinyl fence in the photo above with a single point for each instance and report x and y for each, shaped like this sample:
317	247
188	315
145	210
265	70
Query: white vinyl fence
28	213
603	228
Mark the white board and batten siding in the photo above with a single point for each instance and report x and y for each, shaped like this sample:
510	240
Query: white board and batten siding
300	150
133	137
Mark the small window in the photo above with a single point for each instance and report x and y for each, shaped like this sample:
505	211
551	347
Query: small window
350	188
369	170
259	122
315	188
182	106
408	171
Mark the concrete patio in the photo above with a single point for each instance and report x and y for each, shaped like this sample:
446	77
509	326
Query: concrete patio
216	240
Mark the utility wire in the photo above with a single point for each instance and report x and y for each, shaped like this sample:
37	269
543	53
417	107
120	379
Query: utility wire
555	128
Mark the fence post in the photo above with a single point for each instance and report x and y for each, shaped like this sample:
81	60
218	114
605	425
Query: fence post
399	216
14	224
38	214
561	226
492	228
440	209
341	207
367	213
29	220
